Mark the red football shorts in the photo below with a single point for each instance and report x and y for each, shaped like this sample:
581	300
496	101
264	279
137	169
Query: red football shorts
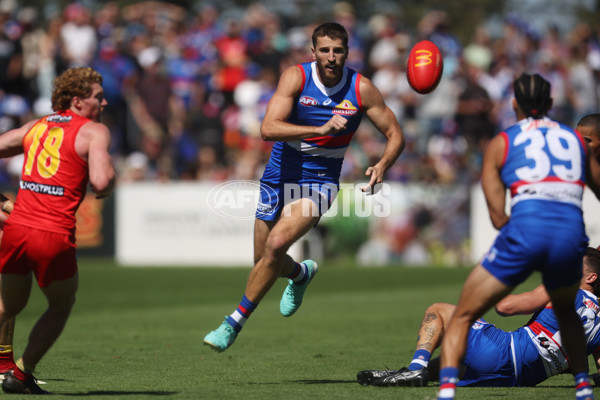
50	256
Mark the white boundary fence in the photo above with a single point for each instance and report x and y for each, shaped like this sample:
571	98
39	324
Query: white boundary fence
205	224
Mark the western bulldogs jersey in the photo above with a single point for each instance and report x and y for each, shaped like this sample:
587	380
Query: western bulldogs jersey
544	162
317	159
541	348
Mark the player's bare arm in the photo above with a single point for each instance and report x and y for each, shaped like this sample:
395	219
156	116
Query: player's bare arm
275	126
523	303
493	188
11	142
96	137
385	121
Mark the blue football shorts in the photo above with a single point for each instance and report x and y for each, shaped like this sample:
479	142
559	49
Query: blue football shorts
274	197
521	248
488	358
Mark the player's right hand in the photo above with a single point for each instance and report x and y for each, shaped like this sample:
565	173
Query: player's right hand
336	124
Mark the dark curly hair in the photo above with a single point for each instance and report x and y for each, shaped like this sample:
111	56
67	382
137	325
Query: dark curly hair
532	93
74	82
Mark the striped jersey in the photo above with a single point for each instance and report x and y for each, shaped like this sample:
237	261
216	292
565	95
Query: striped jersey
544	169
539	345
318	159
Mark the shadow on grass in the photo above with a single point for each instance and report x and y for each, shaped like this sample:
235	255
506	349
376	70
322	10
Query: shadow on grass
431	384
321	381
119	393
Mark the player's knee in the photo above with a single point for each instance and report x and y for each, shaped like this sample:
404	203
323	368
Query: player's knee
63	305
432	309
11	309
6	314
444	310
277	245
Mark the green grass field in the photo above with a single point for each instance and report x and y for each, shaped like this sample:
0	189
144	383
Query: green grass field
136	333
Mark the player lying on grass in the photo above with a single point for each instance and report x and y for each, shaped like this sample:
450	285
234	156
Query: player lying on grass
525	357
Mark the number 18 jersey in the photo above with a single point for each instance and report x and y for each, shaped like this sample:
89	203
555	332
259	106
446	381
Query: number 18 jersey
54	177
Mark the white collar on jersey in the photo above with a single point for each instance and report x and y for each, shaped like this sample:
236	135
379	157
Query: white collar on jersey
327	91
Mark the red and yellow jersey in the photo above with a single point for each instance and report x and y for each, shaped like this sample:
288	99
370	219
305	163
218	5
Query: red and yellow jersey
54	177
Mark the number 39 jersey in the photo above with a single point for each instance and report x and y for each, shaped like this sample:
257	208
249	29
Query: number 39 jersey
54	177
544	162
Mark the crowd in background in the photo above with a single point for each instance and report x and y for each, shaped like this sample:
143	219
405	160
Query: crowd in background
187	89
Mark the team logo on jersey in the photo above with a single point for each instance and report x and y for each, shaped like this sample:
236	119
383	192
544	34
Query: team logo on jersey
345	108
491	255
61	119
477	325
43	189
544	341
590	304
308	101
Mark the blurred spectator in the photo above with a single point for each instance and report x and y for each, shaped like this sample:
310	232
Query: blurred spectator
388	61
119	74
474	108
344	14
583	92
553	70
106	20
50	63
11	53
78	36
448	153
300	43
31	38
441	104
233	55
135	168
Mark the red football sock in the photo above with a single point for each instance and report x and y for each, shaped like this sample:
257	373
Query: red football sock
20	375
7	360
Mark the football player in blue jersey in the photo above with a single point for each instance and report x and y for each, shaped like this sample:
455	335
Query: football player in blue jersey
525	357
546	166
312	116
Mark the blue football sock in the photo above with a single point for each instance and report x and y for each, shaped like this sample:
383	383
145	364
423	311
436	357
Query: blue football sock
583	389
448	380
420	360
300	273
238	318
